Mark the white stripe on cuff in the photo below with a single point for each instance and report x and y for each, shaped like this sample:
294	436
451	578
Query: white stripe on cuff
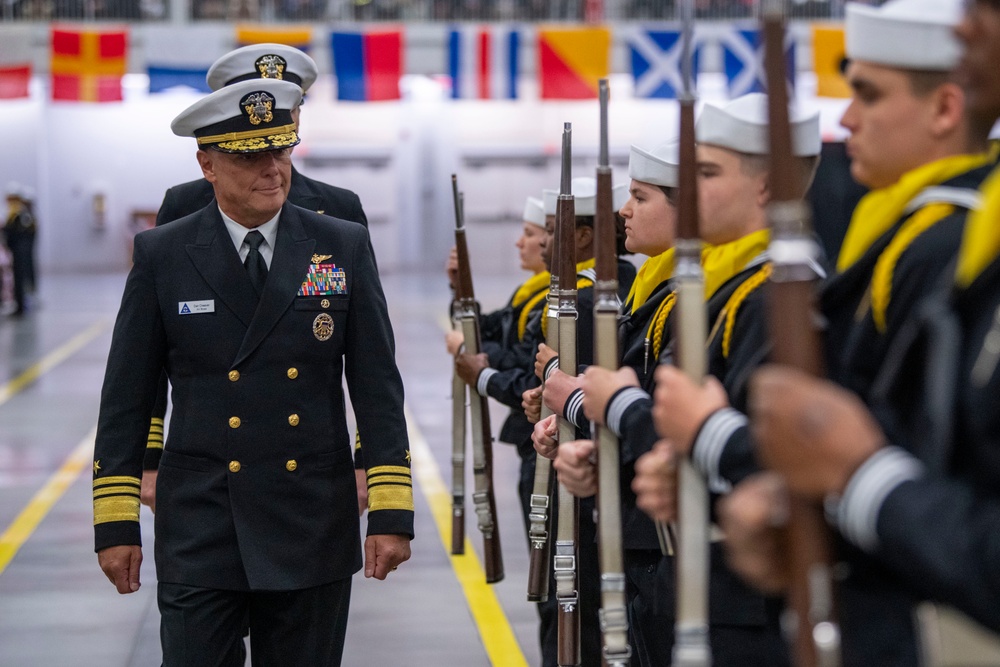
619	404
483	381
711	443
550	367
857	514
574	407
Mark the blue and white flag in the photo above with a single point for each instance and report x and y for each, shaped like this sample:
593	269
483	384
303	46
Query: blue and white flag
743	61
483	61
656	62
165	77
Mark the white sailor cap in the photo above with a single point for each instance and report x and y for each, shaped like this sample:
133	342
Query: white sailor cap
584	191
13	190
656	167
619	195
742	126
906	34
534	211
263	61
246	117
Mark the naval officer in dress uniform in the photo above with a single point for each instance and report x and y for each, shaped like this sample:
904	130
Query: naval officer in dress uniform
256	308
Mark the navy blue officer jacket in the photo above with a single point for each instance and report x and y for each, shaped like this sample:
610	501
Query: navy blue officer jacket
256	480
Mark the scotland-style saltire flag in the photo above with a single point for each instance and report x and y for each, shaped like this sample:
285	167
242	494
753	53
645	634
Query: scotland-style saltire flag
483	62
656	62
164	77
743	59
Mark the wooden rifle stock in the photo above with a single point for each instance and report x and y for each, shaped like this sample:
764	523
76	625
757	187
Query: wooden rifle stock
616	650
791	306
482	437
691	647
458	396
565	561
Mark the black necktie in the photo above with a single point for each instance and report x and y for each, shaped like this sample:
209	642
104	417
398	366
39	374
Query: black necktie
254	263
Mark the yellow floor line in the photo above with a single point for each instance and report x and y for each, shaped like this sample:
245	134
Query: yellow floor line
494	628
27	521
51	360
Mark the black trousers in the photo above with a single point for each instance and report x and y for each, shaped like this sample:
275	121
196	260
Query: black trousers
204	627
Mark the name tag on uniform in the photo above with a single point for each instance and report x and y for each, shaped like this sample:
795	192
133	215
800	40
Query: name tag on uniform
195	307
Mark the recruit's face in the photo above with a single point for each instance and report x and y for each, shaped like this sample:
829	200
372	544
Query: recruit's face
530	245
980	32
250	187
890	126
547	237
729	195
650	219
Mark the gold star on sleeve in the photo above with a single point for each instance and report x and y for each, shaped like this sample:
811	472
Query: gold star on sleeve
97	466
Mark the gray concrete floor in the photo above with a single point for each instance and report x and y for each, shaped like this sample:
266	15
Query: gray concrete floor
56	607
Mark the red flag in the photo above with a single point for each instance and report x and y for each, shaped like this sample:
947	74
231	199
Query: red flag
88	65
14	81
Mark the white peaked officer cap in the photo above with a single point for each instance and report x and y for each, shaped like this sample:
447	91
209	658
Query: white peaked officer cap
906	34
742	126
534	211
584	191
246	117
656	167
263	61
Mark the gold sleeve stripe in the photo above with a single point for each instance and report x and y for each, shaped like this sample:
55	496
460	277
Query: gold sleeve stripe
117	479
391	497
388	470
390	479
357	440
115	508
116	491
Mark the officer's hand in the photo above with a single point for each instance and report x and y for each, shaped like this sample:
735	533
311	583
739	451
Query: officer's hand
531	401
469	366
453	340
577	467
451	267
545	437
542	358
681	405
147	490
557	390
655	482
753	518
121	566
810	431
361	479
599	385
383	553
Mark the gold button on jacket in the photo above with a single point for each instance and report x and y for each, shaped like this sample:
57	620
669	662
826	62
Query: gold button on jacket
234	422
293	420
234	376
291	465
293	373
234	466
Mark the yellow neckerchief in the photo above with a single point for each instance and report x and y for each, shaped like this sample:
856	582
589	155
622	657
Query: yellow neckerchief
879	210
530	287
719	263
880	289
981	241
581	283
653	271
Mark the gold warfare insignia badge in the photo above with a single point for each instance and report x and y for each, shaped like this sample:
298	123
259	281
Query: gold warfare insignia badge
271	66
316	259
257	106
323	327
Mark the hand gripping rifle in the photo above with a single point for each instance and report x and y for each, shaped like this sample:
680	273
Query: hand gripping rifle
613	615
482	438
540	520
796	343
458	436
565	560
691	647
